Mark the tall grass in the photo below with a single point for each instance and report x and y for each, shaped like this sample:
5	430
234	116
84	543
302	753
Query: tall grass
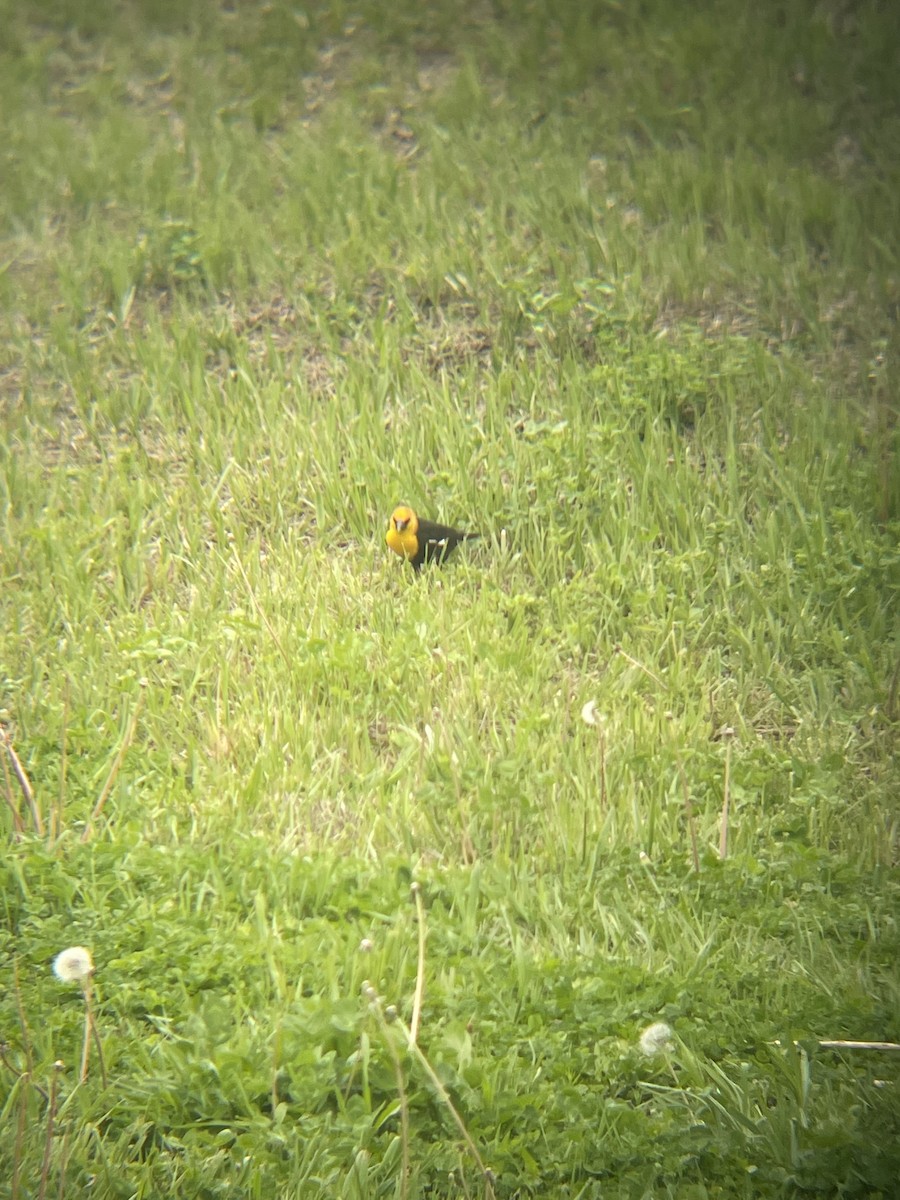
615	286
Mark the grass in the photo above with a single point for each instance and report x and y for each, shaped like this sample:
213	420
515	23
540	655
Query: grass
615	285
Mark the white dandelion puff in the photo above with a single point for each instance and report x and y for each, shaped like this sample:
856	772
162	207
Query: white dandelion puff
73	965
589	713
656	1038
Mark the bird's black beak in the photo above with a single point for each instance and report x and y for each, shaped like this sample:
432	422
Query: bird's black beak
400	524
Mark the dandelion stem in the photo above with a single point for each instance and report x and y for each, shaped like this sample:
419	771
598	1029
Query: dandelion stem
451	1108
601	742
95	1034
88	1028
434	1079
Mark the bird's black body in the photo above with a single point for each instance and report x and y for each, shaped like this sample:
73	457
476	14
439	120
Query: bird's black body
436	542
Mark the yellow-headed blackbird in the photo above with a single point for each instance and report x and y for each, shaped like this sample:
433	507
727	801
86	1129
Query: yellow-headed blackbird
421	541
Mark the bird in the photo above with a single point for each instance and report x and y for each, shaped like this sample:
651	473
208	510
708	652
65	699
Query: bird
420	541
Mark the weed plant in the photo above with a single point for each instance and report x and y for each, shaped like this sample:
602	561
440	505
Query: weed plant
384	875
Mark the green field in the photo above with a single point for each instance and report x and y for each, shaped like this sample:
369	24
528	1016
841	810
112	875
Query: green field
385	874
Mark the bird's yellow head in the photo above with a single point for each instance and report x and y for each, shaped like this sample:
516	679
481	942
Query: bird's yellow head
401	534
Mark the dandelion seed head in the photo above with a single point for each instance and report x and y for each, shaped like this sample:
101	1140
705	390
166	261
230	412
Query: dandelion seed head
656	1038
589	713
73	965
